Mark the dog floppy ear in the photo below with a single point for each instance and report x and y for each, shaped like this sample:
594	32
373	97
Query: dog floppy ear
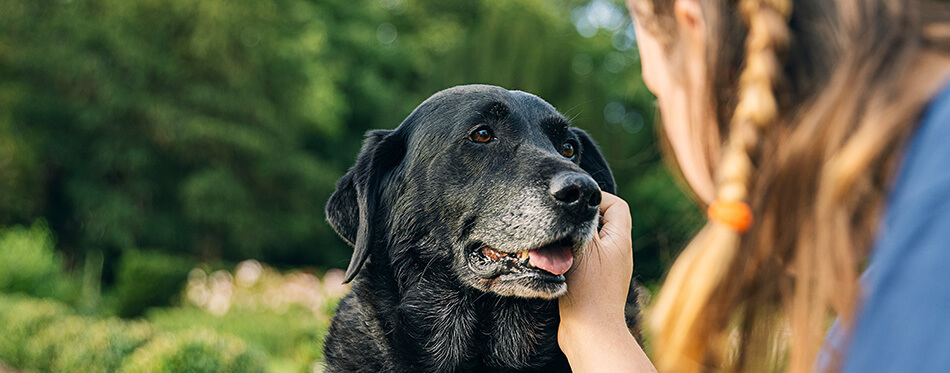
594	163
352	208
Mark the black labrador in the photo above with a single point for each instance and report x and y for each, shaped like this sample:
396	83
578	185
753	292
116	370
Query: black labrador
464	220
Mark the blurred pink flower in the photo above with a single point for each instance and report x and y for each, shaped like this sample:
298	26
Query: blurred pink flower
257	287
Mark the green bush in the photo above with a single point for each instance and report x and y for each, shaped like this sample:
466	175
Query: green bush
20	321
75	344
148	279
196	350
9	300
44	336
45	346
219	127
295	335
28	263
109	343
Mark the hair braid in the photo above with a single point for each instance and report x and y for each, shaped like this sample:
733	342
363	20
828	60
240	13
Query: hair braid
682	338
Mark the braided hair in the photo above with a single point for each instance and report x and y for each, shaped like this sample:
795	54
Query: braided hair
815	105
710	256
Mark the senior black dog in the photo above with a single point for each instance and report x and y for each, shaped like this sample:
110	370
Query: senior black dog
464	220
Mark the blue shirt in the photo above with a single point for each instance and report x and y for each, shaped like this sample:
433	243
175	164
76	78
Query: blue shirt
903	320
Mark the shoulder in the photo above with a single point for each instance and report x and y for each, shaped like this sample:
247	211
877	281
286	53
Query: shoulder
923	181
926	163
903	322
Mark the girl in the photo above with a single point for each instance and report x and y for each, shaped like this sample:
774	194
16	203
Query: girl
816	132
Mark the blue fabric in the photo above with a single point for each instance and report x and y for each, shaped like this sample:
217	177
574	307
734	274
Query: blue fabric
903	322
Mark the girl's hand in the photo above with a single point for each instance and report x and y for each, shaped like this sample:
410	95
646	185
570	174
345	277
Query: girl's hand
597	285
593	333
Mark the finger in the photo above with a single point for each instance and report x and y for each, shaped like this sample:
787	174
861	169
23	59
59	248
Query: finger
616	215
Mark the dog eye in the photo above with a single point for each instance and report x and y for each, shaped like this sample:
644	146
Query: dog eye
567	150
482	135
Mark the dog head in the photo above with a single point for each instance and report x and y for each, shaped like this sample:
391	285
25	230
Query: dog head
490	185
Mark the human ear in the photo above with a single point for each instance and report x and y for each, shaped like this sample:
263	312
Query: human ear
690	22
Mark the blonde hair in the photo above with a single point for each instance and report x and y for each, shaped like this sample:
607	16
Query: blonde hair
706	261
815	128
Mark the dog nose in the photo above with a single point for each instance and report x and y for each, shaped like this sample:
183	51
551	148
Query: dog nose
576	192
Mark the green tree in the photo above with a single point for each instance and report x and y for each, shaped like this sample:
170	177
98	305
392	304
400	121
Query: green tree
218	128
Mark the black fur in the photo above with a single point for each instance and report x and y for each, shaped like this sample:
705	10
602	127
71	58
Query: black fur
418	205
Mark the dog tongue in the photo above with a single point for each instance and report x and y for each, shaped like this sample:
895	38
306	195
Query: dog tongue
555	260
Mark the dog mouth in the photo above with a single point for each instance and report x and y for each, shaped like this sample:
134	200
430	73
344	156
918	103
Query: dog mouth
546	263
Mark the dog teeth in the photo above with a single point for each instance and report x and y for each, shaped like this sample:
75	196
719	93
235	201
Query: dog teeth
495	255
491	253
523	255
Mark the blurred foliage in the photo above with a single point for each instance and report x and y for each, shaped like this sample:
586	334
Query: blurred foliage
285	314
217	129
663	228
45	336
170	124
251	317
295	336
148	279
21	318
75	344
196	350
30	265
258	287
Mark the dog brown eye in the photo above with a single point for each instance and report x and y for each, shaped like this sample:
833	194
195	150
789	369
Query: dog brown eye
481	135
567	150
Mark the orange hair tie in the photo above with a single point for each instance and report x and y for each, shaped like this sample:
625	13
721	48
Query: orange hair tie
734	214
